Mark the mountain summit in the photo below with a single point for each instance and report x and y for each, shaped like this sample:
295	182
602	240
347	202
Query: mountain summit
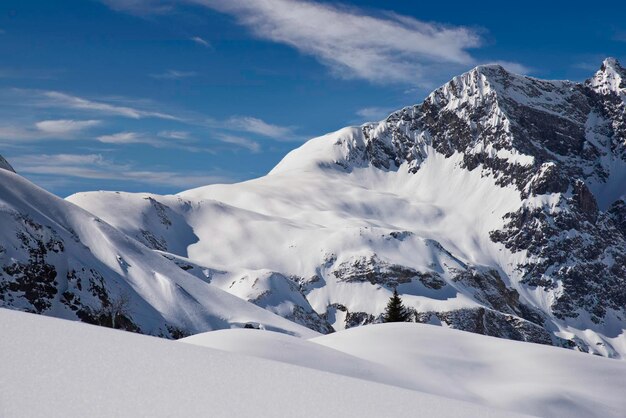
611	78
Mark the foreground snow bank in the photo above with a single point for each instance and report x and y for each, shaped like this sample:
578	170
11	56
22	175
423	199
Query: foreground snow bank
57	368
527	378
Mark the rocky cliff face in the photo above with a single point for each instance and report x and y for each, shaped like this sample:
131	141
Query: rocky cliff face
561	144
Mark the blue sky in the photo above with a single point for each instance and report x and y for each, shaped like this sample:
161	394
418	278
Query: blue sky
166	95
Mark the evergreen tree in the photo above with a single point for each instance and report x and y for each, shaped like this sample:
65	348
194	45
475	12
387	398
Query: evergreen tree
395	311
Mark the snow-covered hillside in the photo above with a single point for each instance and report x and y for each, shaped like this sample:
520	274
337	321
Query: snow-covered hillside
496	206
511	375
59	260
56	368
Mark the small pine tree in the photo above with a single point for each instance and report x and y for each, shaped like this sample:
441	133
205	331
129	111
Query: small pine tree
395	311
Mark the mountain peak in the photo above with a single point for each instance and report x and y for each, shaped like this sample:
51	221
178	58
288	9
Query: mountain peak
610	78
489	68
4	164
611	64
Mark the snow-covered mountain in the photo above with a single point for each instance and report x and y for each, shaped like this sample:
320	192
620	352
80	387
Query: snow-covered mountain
497	206
59	260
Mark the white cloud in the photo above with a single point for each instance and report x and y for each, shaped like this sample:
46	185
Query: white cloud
174	134
165	139
252	125
12	133
124	138
378	46
62	100
174	75
239	141
371	114
201	41
65	126
96	167
63	129
173	139
385	47
256	126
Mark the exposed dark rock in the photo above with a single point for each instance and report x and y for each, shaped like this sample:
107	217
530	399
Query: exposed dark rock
488	322
585	201
353	319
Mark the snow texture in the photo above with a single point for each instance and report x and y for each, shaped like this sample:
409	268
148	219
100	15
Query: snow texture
56	368
526	378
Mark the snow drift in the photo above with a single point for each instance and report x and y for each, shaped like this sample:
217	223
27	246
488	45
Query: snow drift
56	368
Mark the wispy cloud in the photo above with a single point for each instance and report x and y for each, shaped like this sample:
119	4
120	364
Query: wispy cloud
201	41
63	100
125	138
68	126
165	139
65	126
378	46
249	144
11	133
63	129
374	113
96	167
174	75
384	48
174	134
252	125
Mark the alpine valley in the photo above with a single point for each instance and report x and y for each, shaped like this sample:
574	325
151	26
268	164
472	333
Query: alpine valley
495	206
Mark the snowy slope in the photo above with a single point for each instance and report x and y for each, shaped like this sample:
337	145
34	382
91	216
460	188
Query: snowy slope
55	368
359	220
527	378
59	260
496	206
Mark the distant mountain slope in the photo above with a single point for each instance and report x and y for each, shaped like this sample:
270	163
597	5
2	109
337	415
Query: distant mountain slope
54	368
59	260
496	206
